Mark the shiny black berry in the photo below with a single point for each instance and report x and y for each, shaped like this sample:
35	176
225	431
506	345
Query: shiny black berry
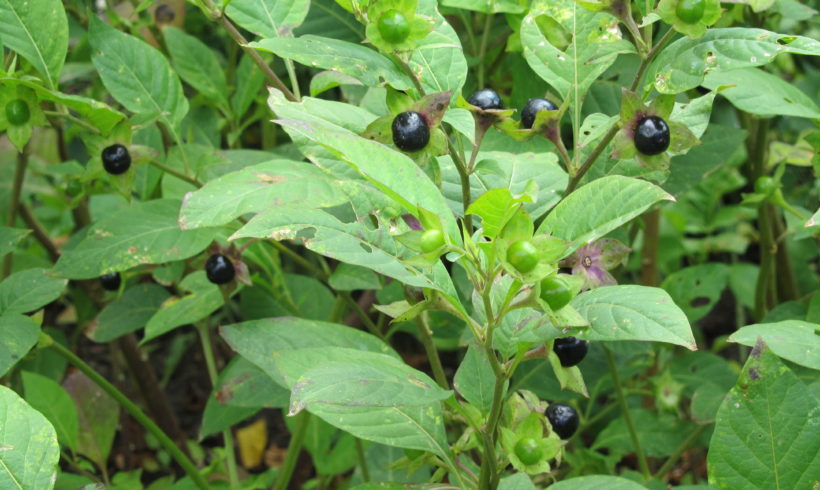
116	159
219	269
110	282
486	99
533	107
410	131
570	351
651	135
563	418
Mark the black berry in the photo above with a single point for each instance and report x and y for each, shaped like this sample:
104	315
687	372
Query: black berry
116	159
219	269
651	135
533	107
563	418
164	14
410	131
110	282
570	350
486	99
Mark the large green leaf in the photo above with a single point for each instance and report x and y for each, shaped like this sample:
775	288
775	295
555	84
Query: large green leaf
757	92
596	482
28	290
438	60
767	433
203	298
683	64
659	433
48	397
794	340
38	30
697	288
128	313
633	313
138	76
18	334
268	18
256	188
475	380
599	207
28	445
144	233
243	384
9	237
364	64
197	65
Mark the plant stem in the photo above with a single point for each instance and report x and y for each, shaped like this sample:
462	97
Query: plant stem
649	254
482	50
294	448
227	435
613	369
430	349
362	460
133	410
366	320
294	82
175	173
679	451
73	119
39	232
14	205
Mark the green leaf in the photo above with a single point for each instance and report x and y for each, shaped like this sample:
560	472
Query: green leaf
682	64
495	208
347	277
757	92
38	30
438	59
599	207
596	482
268	18
203	299
50	399
145	233
719	143
793	340
633	313
128	313
766	435
9	238
256	188
28	290
18	334
488	7
98	415
475	380
372	380
197	65
242	384
698	288
695	113
28	445
370	67
659	433
137	76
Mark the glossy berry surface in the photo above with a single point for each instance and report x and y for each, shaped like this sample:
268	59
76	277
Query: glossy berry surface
393	26
533	107
765	185
651	135
410	131
555	291
690	11
523	256
431	240
17	112
528	451
570	350
486	99
563	418
219	269
110	282
116	159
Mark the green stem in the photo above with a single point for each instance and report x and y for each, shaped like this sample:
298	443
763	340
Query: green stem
430	349
679	451
613	369
365	318
294	448
14	204
39	232
73	119
362	460
294	83
132	409
227	435
482	50
175	173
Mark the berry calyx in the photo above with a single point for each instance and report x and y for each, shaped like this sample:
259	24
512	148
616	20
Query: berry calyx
523	256
555	292
486	99
528	451
393	26
570	350
651	135
219	269
410	131
116	159
533	107
111	282
690	11
17	112
563	418
431	240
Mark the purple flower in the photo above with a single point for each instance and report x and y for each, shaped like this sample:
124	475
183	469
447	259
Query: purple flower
593	261
412	222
